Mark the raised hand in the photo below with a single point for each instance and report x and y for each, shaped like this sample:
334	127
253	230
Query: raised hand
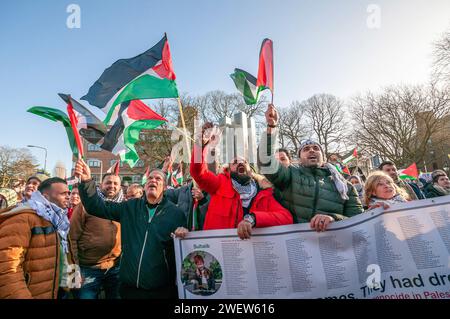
82	170
271	116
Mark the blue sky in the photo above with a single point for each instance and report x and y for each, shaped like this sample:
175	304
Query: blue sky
319	46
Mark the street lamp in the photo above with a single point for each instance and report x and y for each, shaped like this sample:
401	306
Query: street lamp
45	162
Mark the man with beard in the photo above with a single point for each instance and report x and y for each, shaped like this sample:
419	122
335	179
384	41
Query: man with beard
237	199
96	244
413	190
35	254
315	191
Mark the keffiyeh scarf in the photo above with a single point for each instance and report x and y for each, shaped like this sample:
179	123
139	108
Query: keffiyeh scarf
247	192
117	199
52	213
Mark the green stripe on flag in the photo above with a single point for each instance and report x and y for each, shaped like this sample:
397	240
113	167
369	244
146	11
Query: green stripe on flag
131	136
144	87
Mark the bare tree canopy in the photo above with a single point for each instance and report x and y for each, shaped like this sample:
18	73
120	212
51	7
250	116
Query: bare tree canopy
15	164
326	117
399	122
441	59
292	126
215	105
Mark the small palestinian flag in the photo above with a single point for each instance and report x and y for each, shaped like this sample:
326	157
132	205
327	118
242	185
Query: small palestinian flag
145	177
134	116
410	172
351	157
57	116
246	84
88	125
149	75
114	169
345	170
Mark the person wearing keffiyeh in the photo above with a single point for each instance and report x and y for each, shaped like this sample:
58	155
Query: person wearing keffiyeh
37	259
237	199
315	192
97	244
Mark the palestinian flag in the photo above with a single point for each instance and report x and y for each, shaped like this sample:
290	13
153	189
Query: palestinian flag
145	177
149	75
114	169
246	84
134	116
345	170
351	157
74	124
410	172
265	69
57	116
88	125
338	168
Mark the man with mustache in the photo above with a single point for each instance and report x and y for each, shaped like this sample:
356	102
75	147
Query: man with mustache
315	191
96	244
237	199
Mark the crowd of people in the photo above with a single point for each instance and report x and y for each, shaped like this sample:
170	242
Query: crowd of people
103	241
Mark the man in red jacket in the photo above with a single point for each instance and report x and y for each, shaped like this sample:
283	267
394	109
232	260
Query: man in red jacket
237	199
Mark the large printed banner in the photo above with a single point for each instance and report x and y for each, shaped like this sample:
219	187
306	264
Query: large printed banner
400	253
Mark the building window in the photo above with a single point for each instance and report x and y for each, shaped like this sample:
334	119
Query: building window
140	163
94	163
136	178
93	148
113	162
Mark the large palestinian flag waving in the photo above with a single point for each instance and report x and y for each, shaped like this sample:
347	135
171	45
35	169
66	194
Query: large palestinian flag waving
89	126
149	75
132	118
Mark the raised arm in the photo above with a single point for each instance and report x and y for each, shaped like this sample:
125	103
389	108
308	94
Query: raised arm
276	173
92	203
206	180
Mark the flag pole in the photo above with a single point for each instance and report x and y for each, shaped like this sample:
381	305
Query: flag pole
180	107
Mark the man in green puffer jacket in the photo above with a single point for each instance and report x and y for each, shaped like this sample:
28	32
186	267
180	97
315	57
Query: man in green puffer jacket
315	191
147	267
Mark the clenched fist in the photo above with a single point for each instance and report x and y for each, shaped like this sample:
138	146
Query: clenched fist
82	170
271	116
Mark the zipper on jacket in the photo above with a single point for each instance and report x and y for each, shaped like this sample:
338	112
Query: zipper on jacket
316	194
167	263
140	259
56	266
143	248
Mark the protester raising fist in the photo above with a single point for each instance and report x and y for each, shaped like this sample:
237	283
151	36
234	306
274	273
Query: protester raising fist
82	170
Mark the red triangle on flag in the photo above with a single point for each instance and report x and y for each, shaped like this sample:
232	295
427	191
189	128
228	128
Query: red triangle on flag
114	169
346	170
411	171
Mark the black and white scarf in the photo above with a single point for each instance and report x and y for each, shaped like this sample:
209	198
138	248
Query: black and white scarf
247	192
52	213
117	199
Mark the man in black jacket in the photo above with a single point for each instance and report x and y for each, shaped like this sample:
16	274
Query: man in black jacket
147	268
